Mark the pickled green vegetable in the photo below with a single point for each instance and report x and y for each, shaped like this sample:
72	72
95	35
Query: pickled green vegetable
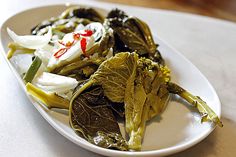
207	114
51	100
33	69
14	47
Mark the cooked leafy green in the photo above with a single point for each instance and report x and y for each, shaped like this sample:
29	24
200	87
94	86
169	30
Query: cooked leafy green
137	83
144	87
14	47
146	96
81	12
68	20
91	117
136	43
133	34
114	74
51	100
75	66
206	112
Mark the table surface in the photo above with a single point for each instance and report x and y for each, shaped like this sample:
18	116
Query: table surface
225	9
208	43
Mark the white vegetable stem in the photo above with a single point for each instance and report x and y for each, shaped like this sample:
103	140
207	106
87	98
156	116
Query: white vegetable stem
55	83
31	41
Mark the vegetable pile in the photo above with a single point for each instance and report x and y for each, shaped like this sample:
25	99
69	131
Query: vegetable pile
102	70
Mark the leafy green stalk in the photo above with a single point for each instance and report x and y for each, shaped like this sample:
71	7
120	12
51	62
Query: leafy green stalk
149	99
206	112
136	135
68	69
33	69
51	100
13	47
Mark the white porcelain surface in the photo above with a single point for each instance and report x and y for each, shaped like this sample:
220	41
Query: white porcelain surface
34	135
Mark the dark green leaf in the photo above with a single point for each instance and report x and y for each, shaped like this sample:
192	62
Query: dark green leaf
114	74
142	30
81	12
132	40
91	117
117	13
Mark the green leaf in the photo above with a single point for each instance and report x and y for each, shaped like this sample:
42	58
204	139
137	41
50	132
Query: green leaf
132	40
141	29
113	75
82	12
133	34
91	117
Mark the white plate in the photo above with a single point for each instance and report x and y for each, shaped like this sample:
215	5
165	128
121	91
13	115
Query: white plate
179	126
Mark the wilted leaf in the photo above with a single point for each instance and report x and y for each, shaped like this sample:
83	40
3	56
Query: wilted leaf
91	117
114	73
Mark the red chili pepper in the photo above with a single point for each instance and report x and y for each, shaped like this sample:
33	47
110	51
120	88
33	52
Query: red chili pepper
87	33
60	52
76	36
83	43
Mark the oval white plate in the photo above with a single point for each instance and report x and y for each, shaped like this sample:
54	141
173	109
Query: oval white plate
177	129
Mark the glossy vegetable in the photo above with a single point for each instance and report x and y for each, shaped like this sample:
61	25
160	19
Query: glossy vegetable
206	112
51	100
14	47
91	117
134	34
139	84
61	85
33	69
31	41
144	87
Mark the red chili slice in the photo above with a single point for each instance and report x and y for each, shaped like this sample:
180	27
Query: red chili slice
60	52
87	33
83	43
